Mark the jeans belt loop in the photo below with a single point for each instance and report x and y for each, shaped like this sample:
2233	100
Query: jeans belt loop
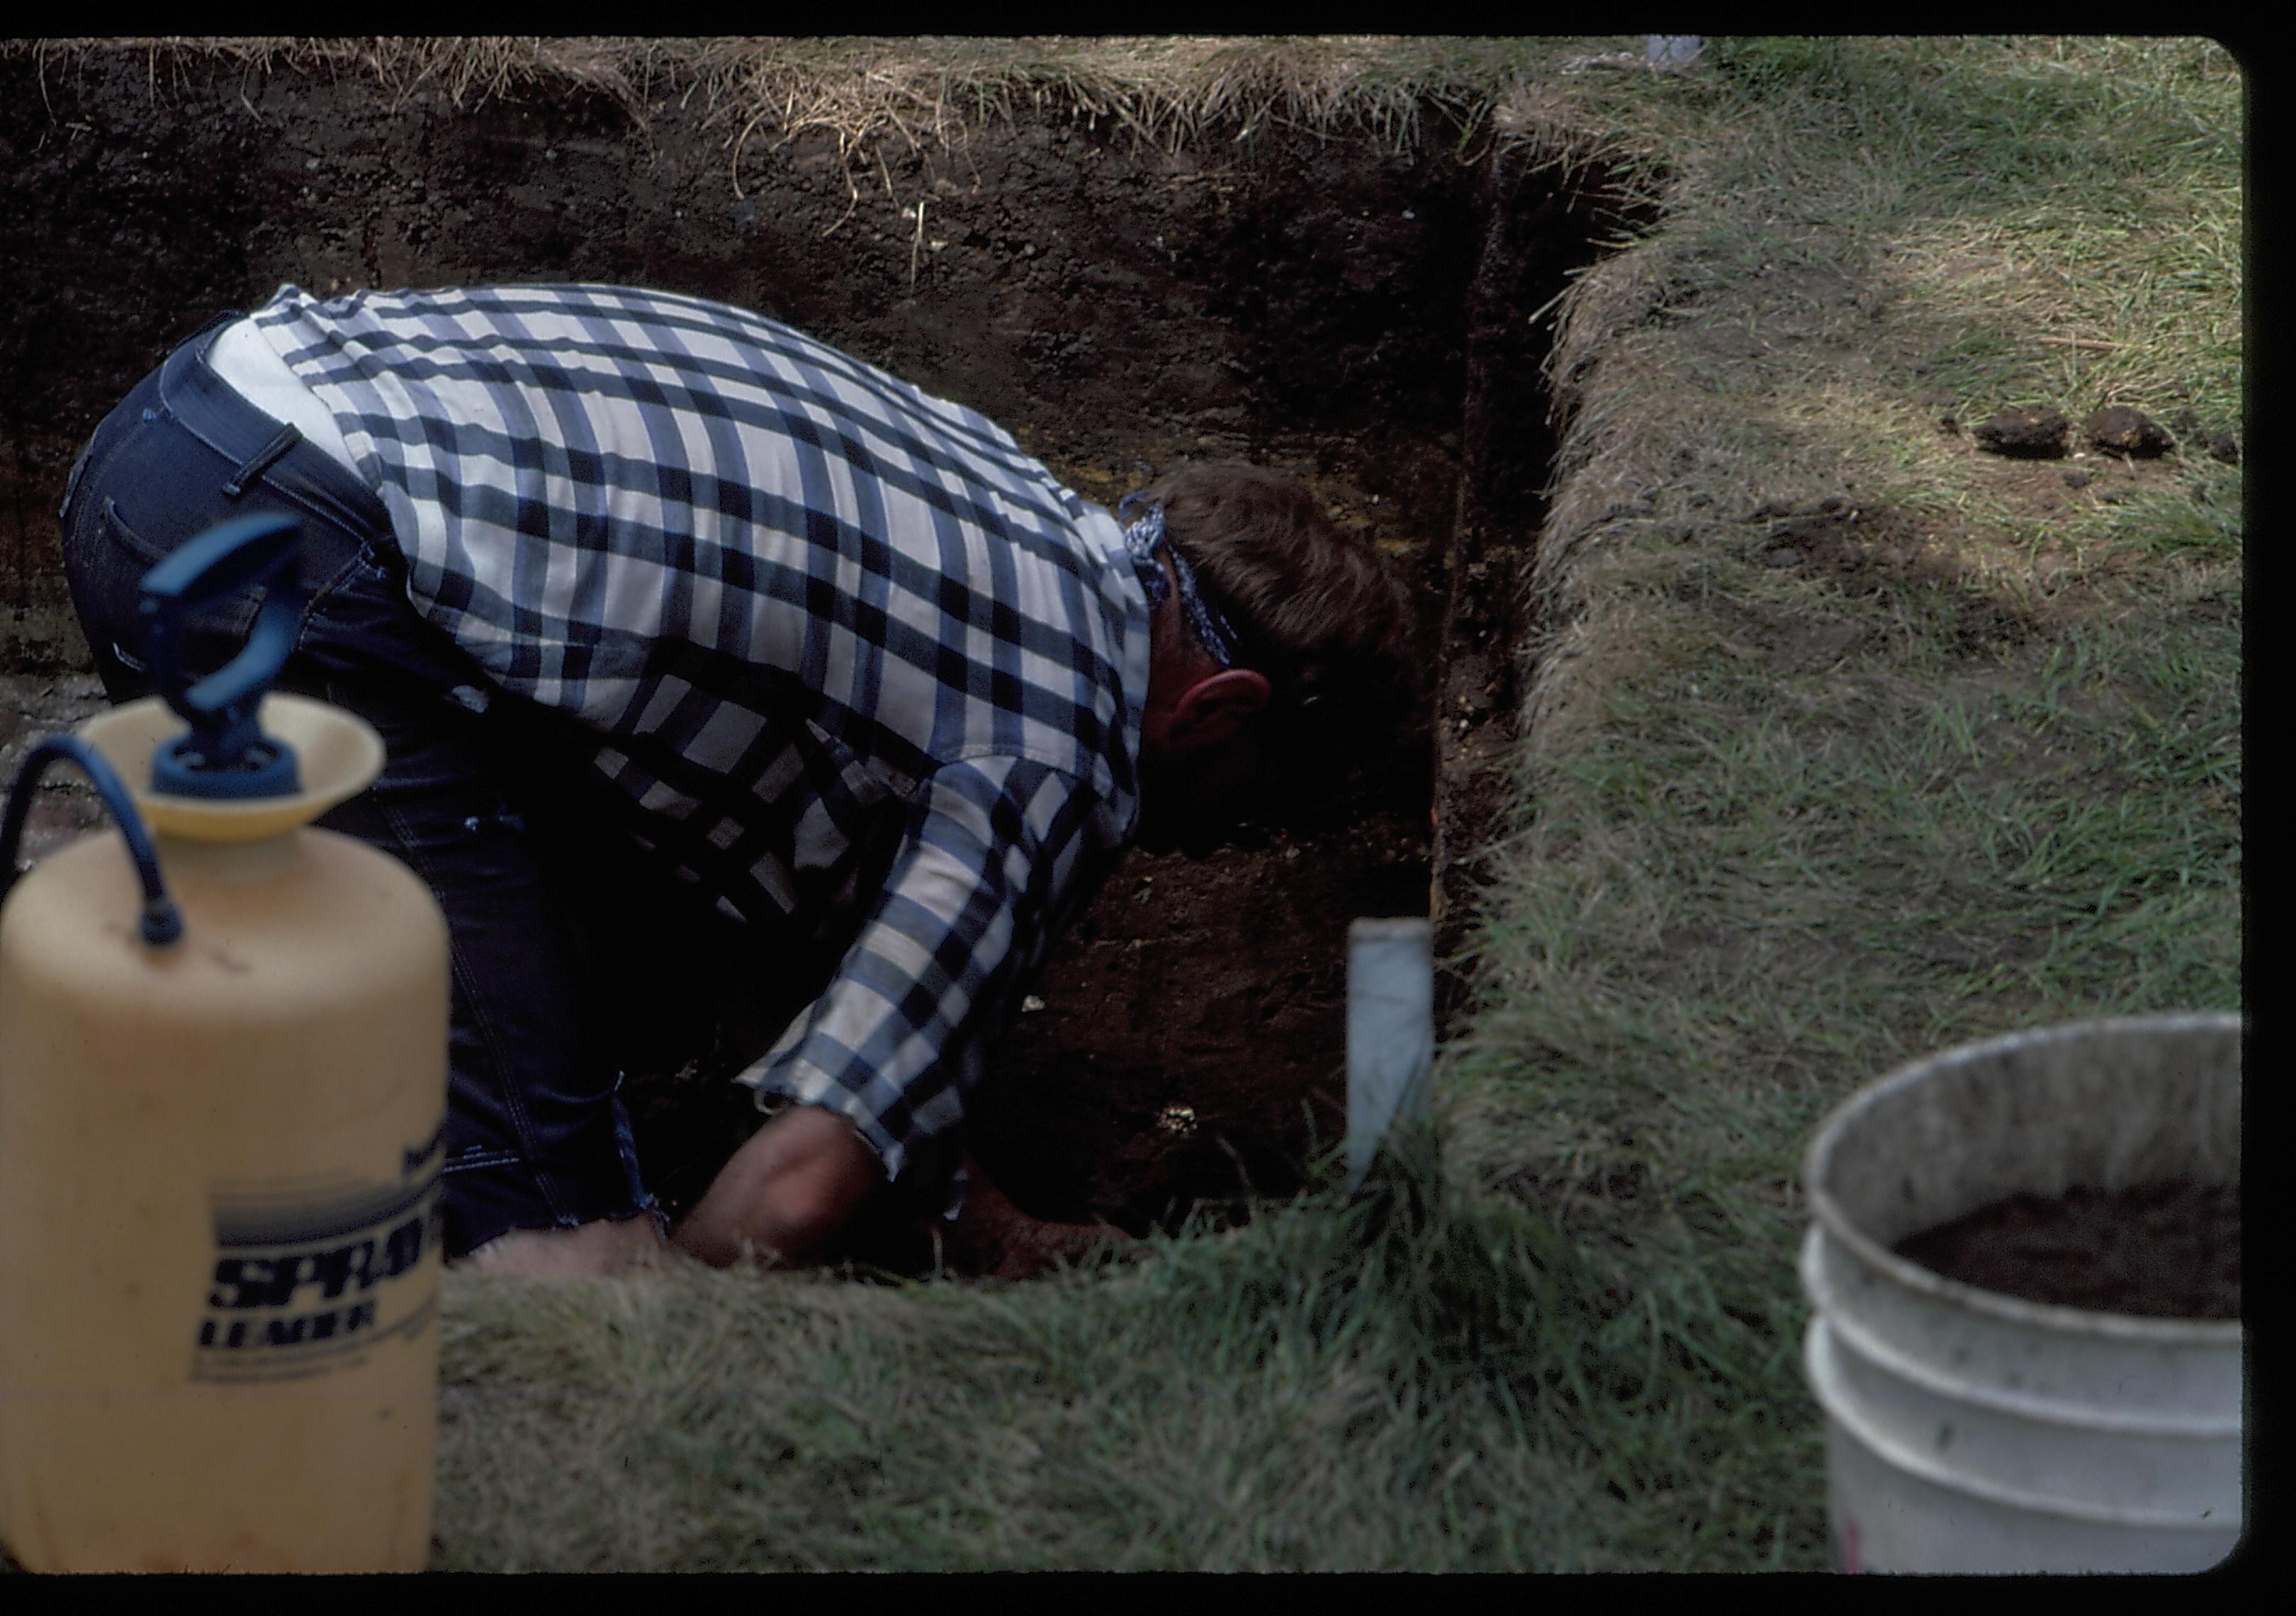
262	460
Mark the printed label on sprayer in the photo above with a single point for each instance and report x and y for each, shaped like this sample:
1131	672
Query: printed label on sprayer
306	1279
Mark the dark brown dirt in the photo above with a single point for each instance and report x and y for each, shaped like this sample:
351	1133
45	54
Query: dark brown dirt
2029	434
1191	1047
2122	430
1353	315
2163	1250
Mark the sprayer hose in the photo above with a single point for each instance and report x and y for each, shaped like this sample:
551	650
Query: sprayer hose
162	922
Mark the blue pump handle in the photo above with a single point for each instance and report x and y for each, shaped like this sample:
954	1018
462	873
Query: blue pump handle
161	923
247	552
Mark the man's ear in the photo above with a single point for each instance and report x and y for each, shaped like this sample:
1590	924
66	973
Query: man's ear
1216	710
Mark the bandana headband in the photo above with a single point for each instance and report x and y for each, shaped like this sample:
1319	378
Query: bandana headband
1146	540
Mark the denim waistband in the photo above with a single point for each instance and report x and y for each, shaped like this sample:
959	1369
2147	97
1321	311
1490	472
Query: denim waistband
214	411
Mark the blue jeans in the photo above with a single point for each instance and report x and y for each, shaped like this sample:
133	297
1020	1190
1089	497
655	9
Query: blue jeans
571	957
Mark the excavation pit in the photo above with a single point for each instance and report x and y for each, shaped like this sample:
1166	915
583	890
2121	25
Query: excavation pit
1362	317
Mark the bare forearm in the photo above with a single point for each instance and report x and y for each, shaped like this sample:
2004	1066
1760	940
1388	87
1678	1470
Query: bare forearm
787	1195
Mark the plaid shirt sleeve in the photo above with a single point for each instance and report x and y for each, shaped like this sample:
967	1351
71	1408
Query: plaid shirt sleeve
999	853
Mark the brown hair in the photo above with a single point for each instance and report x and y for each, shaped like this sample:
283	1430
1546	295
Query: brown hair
1316	608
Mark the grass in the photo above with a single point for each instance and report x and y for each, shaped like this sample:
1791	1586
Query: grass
1781	829
1974	765
1404	1380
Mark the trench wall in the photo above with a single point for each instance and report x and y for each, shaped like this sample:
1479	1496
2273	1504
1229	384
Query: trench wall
1116	303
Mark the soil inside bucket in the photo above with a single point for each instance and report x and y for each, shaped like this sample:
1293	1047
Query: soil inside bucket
2168	1248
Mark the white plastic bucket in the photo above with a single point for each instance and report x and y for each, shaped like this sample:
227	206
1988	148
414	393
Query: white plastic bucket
1971	1431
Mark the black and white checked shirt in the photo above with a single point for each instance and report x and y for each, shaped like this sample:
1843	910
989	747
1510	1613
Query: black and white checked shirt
856	657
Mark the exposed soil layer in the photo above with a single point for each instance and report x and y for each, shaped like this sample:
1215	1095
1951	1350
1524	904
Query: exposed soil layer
1356	316
2169	1248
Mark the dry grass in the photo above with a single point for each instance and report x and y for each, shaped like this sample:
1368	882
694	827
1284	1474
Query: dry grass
1164	89
871	94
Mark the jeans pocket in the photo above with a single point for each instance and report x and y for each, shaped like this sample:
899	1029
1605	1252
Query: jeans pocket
214	633
116	529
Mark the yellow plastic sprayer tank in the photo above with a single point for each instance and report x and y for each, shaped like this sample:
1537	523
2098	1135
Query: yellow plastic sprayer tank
222	1081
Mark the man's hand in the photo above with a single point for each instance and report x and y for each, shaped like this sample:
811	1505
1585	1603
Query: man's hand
787	1194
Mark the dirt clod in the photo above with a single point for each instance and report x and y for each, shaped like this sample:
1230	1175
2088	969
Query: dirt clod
2027	433
2079	477
2225	447
2124	431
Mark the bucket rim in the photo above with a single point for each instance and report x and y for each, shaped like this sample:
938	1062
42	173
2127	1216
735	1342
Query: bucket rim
2001	1401
2012	1309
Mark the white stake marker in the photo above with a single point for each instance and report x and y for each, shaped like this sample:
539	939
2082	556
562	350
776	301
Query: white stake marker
1390	1032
